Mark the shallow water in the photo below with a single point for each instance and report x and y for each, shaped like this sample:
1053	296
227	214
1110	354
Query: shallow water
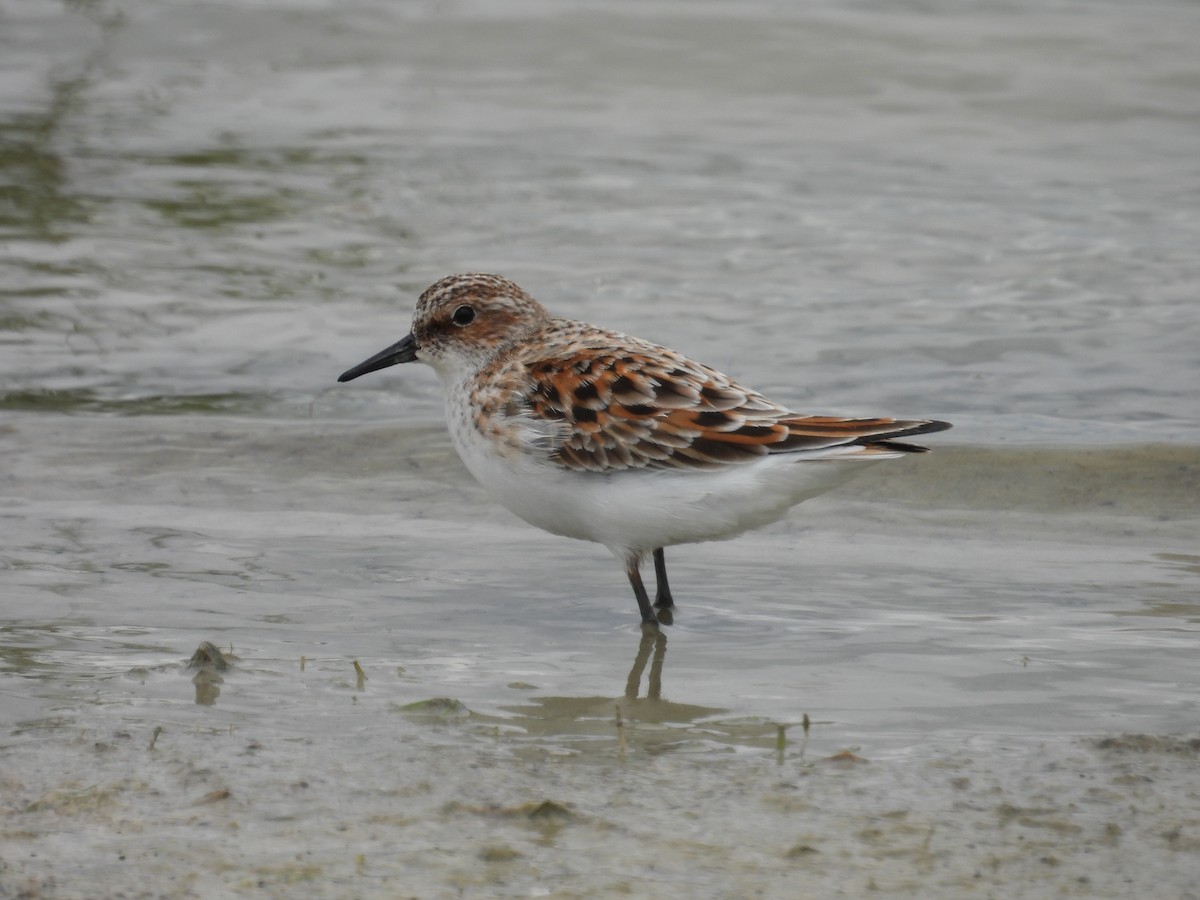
210	210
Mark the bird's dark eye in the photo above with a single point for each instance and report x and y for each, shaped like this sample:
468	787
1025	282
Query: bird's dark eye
464	315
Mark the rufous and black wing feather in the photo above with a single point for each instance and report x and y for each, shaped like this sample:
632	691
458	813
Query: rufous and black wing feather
645	407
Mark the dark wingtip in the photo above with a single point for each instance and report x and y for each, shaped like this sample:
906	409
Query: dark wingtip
897	446
888	442
926	428
908	429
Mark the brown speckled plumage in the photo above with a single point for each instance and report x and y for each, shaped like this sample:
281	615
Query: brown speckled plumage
617	402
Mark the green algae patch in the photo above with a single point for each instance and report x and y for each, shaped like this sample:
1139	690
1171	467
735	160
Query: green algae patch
436	708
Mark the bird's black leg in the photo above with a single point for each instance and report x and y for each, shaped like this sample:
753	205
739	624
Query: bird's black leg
639	591
663	599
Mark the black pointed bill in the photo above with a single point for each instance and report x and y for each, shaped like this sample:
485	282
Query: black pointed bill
403	351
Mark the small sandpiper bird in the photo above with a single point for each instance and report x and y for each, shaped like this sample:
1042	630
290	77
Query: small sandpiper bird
603	437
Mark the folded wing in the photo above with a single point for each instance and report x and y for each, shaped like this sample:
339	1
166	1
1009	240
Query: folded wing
639	406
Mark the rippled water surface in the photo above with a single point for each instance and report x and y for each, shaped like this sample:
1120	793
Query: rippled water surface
972	673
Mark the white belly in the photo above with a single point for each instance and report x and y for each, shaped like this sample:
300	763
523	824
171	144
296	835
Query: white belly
636	511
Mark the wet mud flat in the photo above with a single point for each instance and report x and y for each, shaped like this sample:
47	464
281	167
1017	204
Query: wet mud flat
571	798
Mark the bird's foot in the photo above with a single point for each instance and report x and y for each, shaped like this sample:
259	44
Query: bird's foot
664	603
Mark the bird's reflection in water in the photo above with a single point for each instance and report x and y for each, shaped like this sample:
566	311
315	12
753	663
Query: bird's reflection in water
652	641
583	721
